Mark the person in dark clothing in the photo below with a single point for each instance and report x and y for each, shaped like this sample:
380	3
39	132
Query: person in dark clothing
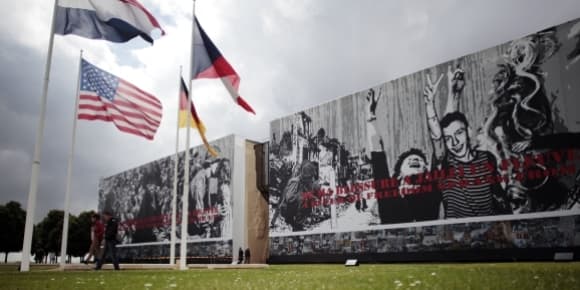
240	255
112	226
247	254
400	197
304	179
423	200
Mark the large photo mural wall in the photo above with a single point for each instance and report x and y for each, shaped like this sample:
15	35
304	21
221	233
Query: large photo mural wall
486	138
141	199
421	241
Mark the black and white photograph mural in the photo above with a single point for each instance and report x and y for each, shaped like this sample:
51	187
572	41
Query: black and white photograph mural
141	197
487	136
558	232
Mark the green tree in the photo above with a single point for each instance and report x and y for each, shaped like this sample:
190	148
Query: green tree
12	219
51	233
79	236
38	248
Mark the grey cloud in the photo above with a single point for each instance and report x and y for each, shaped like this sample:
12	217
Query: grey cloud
315	54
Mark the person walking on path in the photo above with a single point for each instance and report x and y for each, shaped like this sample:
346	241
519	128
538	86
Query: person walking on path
247	254
240	256
110	241
97	233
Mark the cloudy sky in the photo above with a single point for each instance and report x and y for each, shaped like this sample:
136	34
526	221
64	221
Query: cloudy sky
290	54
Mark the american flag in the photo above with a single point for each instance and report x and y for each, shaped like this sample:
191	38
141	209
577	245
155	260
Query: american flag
106	97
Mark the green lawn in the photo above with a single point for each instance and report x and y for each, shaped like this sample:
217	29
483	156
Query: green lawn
374	276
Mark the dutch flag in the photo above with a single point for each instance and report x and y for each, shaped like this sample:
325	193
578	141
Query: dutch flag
112	20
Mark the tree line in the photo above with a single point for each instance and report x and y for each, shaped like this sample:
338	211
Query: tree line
47	235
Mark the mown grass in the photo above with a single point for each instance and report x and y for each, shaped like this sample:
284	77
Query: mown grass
372	276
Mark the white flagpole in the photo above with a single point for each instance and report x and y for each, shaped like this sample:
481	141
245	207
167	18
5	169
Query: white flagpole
33	189
185	198
175	172
64	241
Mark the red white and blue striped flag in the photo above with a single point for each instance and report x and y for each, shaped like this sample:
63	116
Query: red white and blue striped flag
112	20
209	63
106	97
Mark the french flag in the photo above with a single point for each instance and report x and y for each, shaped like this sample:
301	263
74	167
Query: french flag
112	20
209	63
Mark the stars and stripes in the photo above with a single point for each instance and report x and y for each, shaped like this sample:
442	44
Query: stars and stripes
105	97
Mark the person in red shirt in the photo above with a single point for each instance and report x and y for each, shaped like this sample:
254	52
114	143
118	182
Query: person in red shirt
97	233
